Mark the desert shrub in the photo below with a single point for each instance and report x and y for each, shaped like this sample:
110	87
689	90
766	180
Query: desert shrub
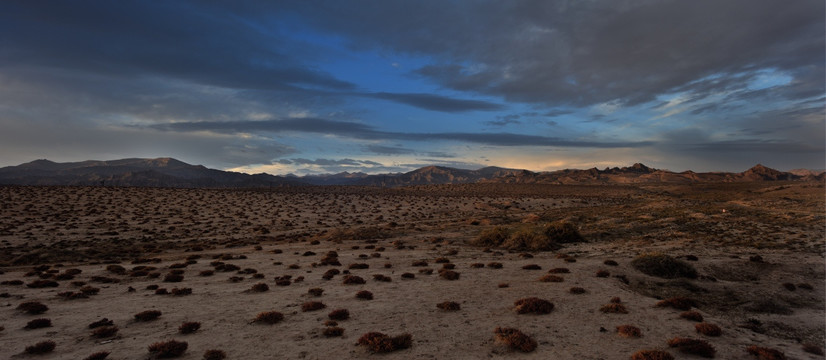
380	343
215	354
492	237
533	305
441	260
333	331
529	239
419	263
610	263
71	295
477	265
651	355
89	290
357	266
449	275
495	265
352	280
663	266
613	308
382	278
756	258
603	274
38	323
449	306
269	317
173	278
764	353
101	322
104	279
531	267
260	287
615	300
315	291
32	307
100	355
692	315
189	327
43	347
629	331
576	290
679	303
168	349
105	331
813	349
569	260
551	278
161	291
408	275
693	346
708	329
364	295
515	339
12	282
559	271
789	286
562	232
181	291
147	315
312	306
448	266
339	314
39	284
116	269
282	282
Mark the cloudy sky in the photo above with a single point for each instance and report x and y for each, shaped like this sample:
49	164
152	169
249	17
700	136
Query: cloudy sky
378	86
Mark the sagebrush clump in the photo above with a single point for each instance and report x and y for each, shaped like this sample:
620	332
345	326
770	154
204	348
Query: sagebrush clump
189	327
147	315
339	314
449	306
533	305
679	303
629	331
708	329
168	349
651	355
764	353
693	346
268	317
42	347
214	354
515	339
312	306
380	343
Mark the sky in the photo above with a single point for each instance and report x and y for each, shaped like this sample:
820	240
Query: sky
310	87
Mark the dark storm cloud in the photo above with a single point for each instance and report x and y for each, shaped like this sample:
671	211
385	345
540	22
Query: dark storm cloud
361	131
172	39
587	52
436	102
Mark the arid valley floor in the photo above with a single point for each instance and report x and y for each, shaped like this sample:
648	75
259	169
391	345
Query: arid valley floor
89	253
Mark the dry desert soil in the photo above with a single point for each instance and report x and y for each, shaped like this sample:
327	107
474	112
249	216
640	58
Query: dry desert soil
219	258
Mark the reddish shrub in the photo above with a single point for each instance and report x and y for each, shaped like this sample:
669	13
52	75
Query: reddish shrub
339	314
692	315
629	331
38	323
495	265
101	322
333	331
531	267
551	278
708	329
408	275
613	308
576	290
515	339
315	291
269	317
215	354
610	263
651	355
693	346
100	355
449	275
603	274
380	343
382	278
559	271
449	306
42	347
312	306
260	287
147	315
181	291
171	277
364	295
168	349
420	263
352	280
477	265
189	327
33	307
533	305
105	331
764	353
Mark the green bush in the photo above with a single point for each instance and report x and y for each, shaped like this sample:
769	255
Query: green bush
663	266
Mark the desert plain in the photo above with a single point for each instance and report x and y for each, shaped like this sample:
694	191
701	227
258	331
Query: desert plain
756	250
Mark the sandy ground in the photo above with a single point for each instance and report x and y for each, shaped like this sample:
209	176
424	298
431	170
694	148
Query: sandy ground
249	229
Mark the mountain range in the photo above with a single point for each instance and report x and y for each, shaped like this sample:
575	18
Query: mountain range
168	172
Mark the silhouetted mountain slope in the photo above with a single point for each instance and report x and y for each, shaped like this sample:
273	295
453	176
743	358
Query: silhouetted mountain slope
168	172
